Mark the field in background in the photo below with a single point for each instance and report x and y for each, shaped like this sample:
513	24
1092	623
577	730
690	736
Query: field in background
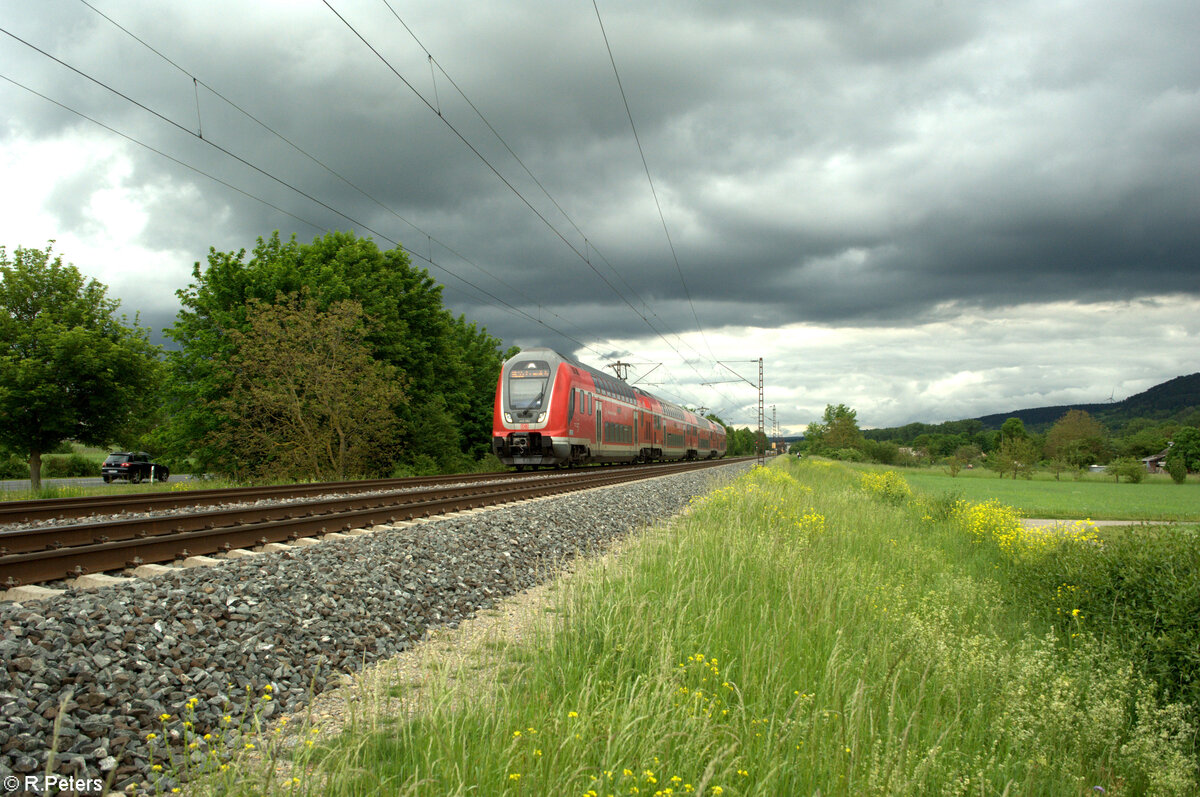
807	628
1095	496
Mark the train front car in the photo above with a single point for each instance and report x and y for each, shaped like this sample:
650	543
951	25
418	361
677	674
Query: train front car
529	425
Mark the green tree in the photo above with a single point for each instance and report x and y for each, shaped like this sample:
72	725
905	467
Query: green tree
739	442
838	428
884	451
1077	438
1143	442
448	365
1176	467
1016	455
307	401
1012	429
1186	443
69	367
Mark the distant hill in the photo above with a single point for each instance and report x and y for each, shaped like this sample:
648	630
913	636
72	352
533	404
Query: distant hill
1177	398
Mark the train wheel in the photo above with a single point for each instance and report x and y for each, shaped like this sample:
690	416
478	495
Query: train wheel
520	468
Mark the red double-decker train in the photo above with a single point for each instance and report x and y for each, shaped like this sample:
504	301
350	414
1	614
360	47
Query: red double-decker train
552	410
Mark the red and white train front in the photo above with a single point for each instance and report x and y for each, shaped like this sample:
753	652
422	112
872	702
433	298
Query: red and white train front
529	425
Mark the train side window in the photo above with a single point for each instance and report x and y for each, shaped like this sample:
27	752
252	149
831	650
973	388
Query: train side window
571	407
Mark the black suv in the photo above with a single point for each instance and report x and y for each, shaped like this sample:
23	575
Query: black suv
134	466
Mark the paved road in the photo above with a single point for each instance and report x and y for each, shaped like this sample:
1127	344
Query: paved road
82	481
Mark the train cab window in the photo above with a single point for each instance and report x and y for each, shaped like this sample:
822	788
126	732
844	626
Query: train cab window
527	383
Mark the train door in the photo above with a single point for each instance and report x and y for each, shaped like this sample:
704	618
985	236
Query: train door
600	424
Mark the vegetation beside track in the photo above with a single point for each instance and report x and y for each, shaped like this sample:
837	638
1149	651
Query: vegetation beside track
806	628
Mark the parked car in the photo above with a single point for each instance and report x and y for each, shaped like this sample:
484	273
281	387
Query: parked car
133	466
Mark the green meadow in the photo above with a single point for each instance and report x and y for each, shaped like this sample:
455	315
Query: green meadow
806	629
1094	496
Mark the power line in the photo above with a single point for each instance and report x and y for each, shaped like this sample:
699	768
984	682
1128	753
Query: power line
127	137
540	185
588	244
498	174
653	191
429	237
515	310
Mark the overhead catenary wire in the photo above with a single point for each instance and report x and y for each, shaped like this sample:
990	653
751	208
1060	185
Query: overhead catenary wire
588	244
500	301
558	233
653	191
171	158
196	81
437	109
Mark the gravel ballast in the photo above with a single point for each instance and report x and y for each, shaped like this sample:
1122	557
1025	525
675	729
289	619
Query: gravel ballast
119	658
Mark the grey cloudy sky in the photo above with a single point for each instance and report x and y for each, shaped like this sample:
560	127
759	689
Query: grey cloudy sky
925	209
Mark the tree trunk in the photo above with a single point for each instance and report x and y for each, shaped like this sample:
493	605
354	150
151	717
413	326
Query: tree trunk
35	469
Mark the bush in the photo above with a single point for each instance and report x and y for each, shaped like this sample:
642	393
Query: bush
420	465
13	467
490	463
848	455
1131	469
888	486
1177	468
59	467
884	452
1138	588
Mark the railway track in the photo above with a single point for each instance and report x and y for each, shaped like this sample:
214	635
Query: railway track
38	555
67	508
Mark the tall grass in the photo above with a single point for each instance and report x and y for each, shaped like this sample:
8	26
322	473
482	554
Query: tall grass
798	631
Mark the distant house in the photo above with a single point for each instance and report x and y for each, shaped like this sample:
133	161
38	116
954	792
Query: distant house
1154	463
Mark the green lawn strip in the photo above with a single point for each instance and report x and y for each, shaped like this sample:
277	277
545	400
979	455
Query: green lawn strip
1067	498
795	632
116	488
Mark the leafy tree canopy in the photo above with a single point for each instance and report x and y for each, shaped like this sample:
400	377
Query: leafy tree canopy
449	366
1186	444
70	368
308	402
1012	429
1078	439
837	429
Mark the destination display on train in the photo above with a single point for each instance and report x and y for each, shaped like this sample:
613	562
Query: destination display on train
531	371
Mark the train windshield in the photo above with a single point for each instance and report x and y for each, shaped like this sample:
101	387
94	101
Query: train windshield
527	383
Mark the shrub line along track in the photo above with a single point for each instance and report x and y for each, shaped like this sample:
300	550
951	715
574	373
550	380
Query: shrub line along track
46	554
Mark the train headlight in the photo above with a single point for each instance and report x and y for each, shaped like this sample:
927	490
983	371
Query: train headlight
541	417
507	418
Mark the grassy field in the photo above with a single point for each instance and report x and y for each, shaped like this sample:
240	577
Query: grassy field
808	629
116	488
1095	497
